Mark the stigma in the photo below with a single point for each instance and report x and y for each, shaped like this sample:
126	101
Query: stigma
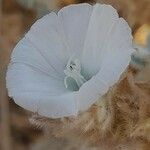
73	71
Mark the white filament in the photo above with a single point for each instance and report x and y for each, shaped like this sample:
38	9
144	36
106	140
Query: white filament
73	70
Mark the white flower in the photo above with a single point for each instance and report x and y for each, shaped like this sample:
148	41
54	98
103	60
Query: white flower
68	60
141	57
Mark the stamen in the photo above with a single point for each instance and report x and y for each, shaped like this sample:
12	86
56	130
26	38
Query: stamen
73	70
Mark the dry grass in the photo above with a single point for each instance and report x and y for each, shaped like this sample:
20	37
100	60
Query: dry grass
120	120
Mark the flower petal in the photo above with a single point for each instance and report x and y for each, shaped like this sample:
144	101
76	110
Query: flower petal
117	53
75	19
90	92
22	78
114	57
58	106
48	105
36	92
30	78
26	53
101	23
47	37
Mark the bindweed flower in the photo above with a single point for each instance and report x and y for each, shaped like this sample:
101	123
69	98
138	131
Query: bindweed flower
141	57
68	60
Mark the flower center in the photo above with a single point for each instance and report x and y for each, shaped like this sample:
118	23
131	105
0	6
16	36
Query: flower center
73	74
